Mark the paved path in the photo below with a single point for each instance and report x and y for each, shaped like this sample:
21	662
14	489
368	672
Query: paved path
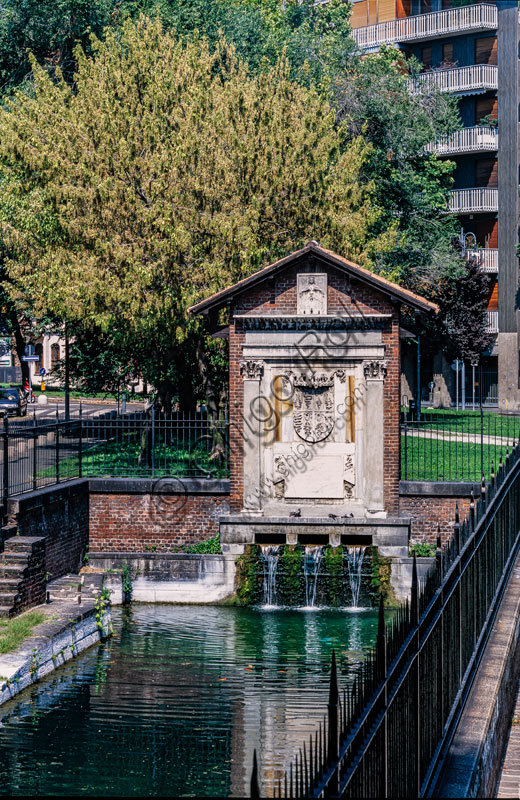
509	782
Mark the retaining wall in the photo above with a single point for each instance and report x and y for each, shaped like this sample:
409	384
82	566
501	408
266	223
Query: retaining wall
431	507
135	515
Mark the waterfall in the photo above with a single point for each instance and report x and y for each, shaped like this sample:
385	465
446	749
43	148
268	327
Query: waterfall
355	556
270	556
311	570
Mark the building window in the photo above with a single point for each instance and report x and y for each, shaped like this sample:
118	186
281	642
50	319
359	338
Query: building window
55	355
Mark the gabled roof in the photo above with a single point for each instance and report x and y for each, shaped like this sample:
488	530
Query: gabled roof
328	257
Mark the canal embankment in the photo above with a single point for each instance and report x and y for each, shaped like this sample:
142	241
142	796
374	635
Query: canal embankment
67	630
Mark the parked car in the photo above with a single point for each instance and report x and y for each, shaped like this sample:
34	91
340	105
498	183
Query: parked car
13	401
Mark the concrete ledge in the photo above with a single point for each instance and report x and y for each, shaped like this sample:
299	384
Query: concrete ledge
166	485
47	495
372	522
439	488
169	577
53	644
472	766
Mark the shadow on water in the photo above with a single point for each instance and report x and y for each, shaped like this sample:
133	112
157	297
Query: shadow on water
175	704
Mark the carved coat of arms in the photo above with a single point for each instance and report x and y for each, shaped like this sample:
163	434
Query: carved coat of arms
313	408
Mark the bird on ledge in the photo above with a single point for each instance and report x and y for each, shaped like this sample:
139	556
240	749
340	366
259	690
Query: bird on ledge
296	513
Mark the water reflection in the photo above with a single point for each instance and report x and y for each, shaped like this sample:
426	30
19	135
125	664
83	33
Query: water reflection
175	704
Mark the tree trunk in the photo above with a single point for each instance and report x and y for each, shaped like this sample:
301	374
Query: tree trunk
20	343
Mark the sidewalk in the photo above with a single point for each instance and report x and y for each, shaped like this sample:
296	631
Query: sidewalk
509	781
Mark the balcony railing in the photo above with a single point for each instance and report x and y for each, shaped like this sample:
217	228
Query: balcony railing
492	321
475	78
428	26
468	140
473	201
487	257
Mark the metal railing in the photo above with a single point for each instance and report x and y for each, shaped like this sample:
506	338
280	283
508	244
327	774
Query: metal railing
41	453
427	26
492	321
387	733
456	445
478	200
468	140
486	256
459	79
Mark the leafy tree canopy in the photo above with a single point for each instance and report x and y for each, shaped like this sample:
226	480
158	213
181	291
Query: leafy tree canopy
167	172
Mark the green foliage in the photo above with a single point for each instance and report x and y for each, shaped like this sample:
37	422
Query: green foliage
101	604
166	179
335	572
126	577
14	631
422	550
290	579
248	577
208	546
381	574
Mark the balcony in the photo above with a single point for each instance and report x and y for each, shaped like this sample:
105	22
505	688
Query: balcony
488	258
492	321
474	201
453	22
475	79
468	140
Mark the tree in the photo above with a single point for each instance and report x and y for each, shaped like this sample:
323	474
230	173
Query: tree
167	172
49	29
460	328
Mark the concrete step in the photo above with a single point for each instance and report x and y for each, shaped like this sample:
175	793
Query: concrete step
14	556
5	611
9	584
21	544
7	599
11	570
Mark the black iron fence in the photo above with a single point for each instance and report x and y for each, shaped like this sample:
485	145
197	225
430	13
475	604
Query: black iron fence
40	453
456	445
387	733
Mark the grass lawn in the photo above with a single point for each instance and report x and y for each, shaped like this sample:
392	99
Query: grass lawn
14	631
439	460
120	458
469	422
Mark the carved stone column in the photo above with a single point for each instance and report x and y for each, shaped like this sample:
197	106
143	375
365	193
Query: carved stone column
375	374
252	372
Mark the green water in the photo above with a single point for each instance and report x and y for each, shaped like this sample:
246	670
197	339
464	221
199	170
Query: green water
177	700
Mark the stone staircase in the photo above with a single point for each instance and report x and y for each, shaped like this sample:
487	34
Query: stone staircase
66	587
21	574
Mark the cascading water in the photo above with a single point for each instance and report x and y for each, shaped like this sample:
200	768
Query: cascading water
311	570
355	556
270	557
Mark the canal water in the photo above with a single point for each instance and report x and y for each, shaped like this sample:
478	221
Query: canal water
177	700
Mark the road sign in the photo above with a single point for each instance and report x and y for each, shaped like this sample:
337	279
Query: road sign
30	358
29	350
42	371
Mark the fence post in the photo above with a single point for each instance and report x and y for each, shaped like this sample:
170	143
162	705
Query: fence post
80	442
255	789
405	446
481	433
153	440
414	609
456	528
35	451
438	556
333	732
5	488
382	669
57	446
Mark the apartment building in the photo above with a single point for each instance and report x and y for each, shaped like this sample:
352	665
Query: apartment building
472	51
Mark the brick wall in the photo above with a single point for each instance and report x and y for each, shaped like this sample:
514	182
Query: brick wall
126	515
60	514
429	513
135	522
279	296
